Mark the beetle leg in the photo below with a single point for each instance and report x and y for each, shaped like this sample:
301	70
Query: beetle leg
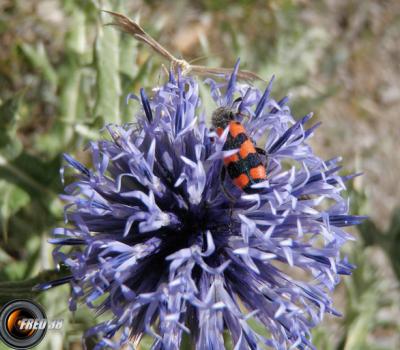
224	189
231	199
239	99
262	151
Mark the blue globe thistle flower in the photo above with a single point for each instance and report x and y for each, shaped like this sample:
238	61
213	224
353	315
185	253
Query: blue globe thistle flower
153	240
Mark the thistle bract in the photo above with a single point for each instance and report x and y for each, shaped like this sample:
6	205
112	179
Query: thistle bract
154	243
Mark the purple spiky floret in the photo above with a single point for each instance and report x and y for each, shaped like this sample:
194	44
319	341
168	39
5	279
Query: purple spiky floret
153	241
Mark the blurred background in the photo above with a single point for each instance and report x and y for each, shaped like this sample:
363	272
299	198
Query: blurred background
63	75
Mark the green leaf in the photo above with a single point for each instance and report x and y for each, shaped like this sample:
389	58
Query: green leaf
12	199
128	53
78	55
322	339
24	289
4	257
392	246
36	177
107	68
370	233
8	112
365	296
37	57
76	37
389	241
10	145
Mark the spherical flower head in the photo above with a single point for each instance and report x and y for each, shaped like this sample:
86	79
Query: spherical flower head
153	242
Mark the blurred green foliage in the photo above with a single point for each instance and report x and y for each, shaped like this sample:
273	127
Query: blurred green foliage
66	75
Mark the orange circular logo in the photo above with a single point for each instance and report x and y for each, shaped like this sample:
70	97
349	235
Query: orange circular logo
23	324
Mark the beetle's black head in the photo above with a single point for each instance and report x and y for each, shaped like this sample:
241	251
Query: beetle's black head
221	117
